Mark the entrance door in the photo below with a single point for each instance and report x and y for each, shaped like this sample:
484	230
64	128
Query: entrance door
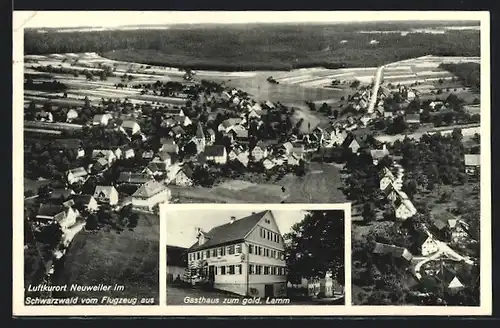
268	291
211	274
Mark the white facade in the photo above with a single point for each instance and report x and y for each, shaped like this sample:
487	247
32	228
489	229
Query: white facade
149	202
254	266
429	247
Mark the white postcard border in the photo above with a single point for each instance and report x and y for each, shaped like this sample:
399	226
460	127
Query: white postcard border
485	308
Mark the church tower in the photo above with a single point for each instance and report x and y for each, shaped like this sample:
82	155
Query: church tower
200	139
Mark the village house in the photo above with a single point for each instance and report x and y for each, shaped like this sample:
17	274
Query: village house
147	154
244	256
150	194
71	115
434	105
210	137
403	207
460	232
351	143
388	179
155	169
393	250
287	147
107	154
44	116
177	132
132	178
170	111
412	119
74	145
61	195
100	165
259	152
184	176
225	95
216	154
85	203
64	216
472	164
182	120
226	125
106	195
293	160
76	175
453	282
176	263
378	154
166	158
124	152
333	136
169	145
102	119
269	105
131	127
168	123
429	245
243	158
268	164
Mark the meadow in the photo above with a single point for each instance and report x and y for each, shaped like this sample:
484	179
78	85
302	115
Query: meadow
130	258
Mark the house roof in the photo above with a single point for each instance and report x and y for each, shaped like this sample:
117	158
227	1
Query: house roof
412	118
178	130
129	124
394	250
157	166
214	150
472	159
61	194
231	122
82	199
102	161
149	189
288	146
379	153
78	172
50	210
187	171
229	232
132	177
107	190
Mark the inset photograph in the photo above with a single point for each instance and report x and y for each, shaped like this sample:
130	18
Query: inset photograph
90	249
255	255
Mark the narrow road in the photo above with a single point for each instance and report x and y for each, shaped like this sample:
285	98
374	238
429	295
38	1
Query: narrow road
376	86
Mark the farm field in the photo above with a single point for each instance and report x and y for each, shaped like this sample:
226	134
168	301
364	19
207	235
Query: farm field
130	258
320	185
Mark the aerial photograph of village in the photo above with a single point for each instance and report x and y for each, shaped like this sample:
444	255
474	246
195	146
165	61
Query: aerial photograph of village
281	256
382	114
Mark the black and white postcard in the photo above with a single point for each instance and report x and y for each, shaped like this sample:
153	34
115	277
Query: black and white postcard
170	161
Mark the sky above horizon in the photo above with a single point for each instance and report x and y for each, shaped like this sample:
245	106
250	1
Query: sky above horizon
67	19
181	225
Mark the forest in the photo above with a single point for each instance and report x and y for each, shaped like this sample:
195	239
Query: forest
256	47
468	73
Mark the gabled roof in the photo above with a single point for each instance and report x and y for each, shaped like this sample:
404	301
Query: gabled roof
214	150
149	189
129	124
472	159
187	171
61	194
50	210
82	199
102	161
412	118
379	153
132	177
178	130
231	122
394	250
199	131
230	232
78	172
106	190
157	166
